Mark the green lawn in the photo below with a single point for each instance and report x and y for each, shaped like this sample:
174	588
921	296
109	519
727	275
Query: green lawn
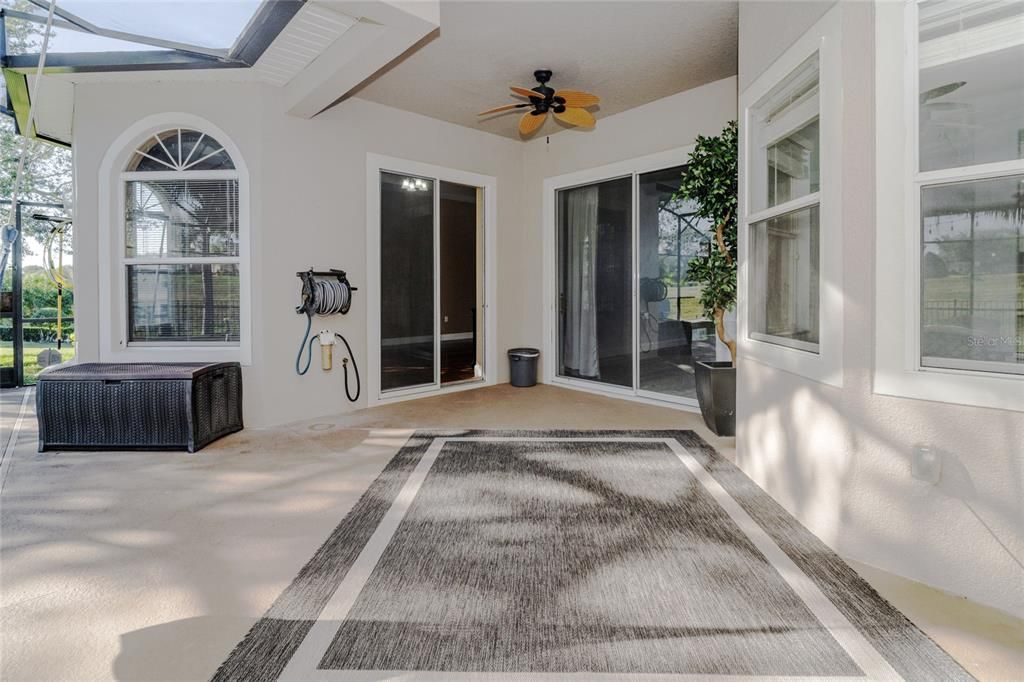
31	350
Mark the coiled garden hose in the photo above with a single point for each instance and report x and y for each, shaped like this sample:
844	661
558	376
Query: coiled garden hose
326	297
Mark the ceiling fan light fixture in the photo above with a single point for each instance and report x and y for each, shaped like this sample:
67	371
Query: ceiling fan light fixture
415	185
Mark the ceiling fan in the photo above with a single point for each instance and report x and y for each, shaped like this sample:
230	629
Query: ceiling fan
930	107
568	106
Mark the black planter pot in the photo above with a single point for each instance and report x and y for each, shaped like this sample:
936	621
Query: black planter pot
716	392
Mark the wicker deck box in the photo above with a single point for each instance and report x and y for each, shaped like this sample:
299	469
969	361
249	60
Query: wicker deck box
138	406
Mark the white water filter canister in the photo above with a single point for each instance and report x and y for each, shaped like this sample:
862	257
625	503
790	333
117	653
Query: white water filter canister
326	337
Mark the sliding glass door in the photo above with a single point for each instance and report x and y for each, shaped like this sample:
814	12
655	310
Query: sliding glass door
595	274
461	282
628	314
431	283
407	353
673	333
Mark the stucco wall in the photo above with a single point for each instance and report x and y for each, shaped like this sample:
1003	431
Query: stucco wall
839	459
308	188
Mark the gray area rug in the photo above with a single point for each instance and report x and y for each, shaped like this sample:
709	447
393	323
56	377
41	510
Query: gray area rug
523	555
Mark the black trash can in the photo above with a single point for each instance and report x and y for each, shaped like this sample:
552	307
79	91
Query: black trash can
523	365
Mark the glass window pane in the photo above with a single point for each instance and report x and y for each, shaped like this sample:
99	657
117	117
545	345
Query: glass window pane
181	218
595	279
785	139
794	165
972	272
183	303
407	281
180	149
784	279
971	83
672	330
462	284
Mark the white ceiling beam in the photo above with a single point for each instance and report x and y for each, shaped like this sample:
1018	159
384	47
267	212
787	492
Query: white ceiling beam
384	31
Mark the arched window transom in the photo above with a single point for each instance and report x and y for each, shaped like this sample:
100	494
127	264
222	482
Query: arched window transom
180	149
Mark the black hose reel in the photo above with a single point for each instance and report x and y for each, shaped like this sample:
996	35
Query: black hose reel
325	292
329	295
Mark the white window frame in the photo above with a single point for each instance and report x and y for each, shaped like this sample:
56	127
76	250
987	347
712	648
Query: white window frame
375	165
632	168
114	345
898	368
822	362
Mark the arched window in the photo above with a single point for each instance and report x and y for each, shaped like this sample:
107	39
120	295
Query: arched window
182	247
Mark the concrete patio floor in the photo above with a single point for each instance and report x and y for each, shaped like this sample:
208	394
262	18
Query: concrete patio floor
152	566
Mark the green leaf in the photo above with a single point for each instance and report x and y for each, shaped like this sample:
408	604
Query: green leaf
710	181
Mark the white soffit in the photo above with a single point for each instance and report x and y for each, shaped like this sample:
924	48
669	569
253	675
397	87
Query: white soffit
55	110
383	30
308	35
328	48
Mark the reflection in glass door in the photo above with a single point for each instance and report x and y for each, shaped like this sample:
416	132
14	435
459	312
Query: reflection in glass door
673	333
461	282
629	315
595	274
407	335
431	283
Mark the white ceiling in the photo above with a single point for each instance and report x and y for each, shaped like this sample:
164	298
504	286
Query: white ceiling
627	52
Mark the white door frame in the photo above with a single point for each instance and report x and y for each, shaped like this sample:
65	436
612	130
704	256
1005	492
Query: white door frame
375	164
631	168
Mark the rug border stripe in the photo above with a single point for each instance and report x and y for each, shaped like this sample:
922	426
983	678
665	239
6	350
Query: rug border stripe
317	641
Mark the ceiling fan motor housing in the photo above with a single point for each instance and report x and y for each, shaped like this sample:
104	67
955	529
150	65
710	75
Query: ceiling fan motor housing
546	95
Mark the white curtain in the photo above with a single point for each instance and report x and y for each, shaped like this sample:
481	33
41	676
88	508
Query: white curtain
580	340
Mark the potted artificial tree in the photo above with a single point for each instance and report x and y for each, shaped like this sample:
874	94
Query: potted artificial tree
710	182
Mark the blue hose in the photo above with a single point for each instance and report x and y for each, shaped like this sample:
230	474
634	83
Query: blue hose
308	348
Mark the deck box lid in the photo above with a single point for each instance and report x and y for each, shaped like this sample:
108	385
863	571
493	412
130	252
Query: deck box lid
131	371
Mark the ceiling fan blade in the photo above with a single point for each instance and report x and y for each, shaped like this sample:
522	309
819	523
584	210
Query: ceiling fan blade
507	107
578	98
941	91
954	125
524	92
531	123
577	117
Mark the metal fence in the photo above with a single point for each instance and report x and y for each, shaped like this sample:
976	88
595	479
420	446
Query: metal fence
1002	317
997	320
27	344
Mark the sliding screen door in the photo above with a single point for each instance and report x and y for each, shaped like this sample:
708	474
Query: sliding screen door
595	324
407	330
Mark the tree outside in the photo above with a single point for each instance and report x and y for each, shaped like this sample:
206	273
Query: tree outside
46	178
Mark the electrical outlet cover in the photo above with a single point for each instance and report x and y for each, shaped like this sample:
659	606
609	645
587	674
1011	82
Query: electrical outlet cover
926	464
